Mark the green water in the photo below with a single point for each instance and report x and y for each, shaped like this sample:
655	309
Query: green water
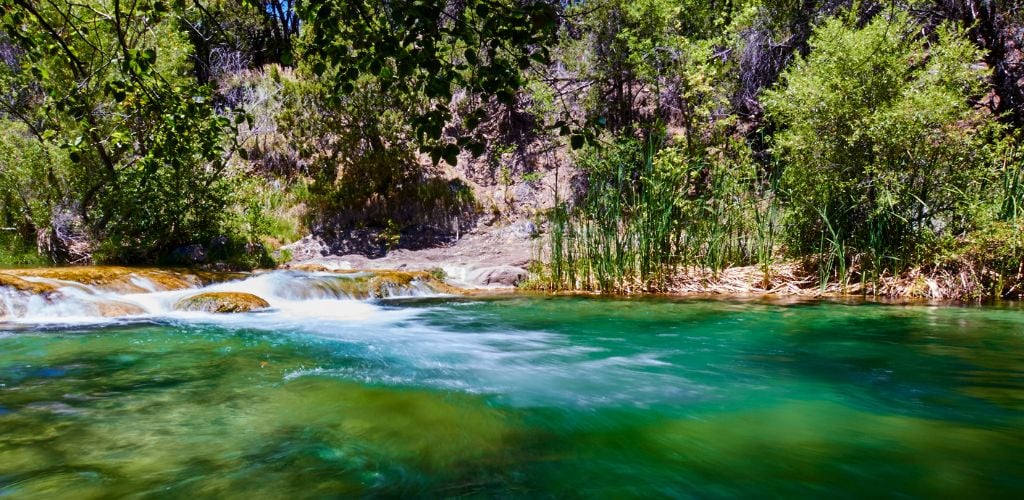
522	397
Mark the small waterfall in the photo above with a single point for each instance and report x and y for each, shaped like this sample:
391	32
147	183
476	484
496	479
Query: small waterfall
89	296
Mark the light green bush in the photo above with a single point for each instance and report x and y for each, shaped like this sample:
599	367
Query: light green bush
881	146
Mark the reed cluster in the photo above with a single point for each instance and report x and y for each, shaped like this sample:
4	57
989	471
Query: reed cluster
651	211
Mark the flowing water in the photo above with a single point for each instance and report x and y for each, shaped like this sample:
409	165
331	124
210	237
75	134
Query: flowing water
523	396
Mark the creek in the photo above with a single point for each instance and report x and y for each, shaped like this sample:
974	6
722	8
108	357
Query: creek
331	393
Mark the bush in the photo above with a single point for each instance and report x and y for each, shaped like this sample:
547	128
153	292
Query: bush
881	146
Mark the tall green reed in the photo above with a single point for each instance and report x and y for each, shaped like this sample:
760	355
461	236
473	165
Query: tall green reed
1012	205
650	212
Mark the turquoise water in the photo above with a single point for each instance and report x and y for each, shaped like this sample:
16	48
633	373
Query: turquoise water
521	397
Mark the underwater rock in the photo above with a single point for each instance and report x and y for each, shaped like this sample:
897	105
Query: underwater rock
222	302
322	266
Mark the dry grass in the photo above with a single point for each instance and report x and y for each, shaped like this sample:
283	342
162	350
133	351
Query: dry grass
782	279
964	282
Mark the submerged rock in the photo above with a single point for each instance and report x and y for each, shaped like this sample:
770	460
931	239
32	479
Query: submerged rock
222	302
114	309
322	266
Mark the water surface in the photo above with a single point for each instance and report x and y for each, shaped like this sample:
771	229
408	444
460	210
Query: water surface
519	397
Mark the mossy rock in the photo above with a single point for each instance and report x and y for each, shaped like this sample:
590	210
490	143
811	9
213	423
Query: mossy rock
221	302
382	283
21	285
114	309
318	267
123	279
363	285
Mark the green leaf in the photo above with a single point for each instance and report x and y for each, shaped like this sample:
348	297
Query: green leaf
577	141
148	57
476	148
506	97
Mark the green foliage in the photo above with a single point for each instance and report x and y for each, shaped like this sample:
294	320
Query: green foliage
150	149
34	180
437	273
424	51
272	212
881	146
360	153
16	251
160	124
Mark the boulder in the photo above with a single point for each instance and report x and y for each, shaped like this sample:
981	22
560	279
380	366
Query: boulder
189	255
498	276
522	230
309	247
221	302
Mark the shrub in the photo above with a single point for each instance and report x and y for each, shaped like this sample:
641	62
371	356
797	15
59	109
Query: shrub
881	146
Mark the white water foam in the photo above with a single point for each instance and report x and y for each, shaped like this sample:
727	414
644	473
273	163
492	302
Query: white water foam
385	345
293	296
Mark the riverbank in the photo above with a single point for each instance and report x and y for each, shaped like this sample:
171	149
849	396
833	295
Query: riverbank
494	262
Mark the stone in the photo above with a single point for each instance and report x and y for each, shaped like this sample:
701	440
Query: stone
113	309
498	276
222	302
328	265
308	248
189	254
127	279
523	229
21	285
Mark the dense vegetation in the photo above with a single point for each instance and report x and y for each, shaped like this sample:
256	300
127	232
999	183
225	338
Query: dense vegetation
864	139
